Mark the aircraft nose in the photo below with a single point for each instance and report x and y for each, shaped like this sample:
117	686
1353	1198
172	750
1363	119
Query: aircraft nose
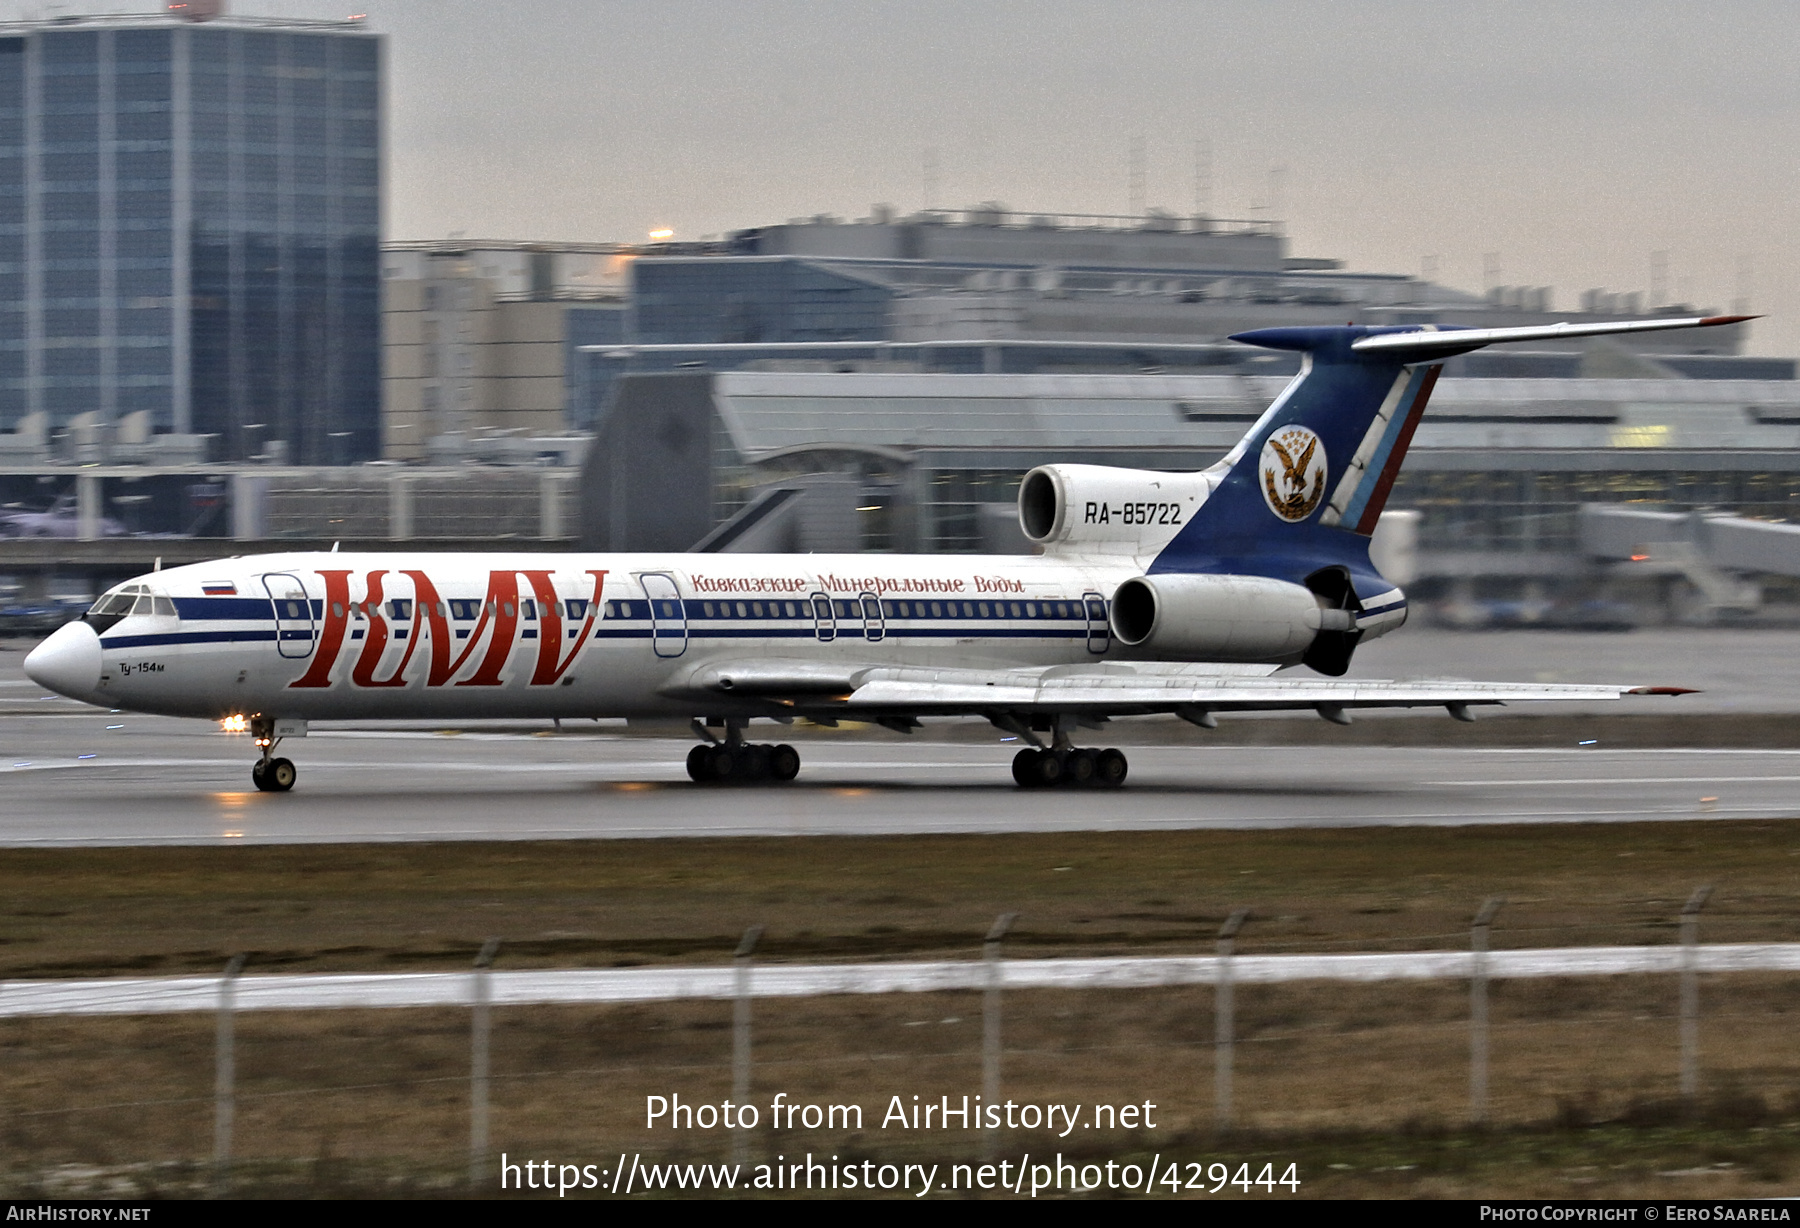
68	662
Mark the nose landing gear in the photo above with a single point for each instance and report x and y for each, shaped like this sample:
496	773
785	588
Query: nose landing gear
736	762
271	775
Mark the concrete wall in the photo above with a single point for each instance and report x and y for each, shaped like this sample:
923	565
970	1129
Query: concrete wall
459	360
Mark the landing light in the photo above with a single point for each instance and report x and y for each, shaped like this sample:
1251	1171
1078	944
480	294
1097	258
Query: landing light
661	236
235	724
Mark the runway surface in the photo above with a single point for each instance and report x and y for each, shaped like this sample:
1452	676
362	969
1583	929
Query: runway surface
76	775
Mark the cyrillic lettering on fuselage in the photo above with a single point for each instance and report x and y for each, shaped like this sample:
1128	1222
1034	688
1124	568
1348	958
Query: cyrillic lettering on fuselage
500	612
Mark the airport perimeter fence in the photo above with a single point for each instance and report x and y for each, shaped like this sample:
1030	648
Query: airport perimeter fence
233	995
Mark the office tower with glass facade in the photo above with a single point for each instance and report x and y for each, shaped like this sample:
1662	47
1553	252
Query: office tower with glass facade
190	230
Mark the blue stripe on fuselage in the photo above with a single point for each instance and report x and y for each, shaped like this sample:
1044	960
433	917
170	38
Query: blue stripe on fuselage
186	637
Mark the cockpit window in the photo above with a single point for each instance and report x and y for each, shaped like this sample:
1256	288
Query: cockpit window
118	602
112	607
126	600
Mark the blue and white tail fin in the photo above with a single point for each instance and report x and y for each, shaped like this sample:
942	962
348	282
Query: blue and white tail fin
1300	494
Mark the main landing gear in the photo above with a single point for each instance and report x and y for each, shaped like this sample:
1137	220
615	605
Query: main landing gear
737	762
1036	768
271	775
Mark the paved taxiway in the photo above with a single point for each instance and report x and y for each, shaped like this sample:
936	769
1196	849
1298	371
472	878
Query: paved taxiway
71	774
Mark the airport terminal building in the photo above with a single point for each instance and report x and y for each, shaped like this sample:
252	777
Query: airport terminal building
1498	473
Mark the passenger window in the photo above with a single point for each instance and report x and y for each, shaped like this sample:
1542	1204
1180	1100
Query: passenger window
937	610
1015	609
793	611
1031	609
742	610
400	611
577	607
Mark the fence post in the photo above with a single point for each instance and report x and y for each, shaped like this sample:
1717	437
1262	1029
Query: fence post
1478	1012
1222	1022
480	1024
740	1039
225	1071
1690	998
990	1027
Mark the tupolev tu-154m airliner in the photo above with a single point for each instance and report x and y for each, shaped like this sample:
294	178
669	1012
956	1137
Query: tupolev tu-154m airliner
1183	593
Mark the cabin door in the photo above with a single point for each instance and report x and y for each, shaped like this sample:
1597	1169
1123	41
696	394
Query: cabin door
668	617
295	630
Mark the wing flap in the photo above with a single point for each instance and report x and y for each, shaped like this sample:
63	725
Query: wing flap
1140	696
1115	688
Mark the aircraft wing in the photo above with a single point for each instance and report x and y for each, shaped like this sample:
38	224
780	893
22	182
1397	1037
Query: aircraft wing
1114	689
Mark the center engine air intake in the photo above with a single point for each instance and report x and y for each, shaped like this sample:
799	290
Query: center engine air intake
1221	618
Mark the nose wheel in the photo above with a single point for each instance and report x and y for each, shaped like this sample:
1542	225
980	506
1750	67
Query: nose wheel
1077	767
274	775
269	773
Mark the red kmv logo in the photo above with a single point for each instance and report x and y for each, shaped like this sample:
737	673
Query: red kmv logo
496	628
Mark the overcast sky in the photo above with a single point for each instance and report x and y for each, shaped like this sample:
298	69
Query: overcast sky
1559	144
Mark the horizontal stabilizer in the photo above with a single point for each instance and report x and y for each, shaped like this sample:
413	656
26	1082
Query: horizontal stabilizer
1435	342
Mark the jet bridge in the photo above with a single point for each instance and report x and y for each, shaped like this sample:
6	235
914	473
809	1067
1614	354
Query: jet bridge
1717	554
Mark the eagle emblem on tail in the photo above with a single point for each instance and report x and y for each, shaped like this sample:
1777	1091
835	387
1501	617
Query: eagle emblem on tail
1293	472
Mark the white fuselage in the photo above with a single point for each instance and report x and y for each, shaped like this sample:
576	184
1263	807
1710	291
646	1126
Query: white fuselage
420	635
